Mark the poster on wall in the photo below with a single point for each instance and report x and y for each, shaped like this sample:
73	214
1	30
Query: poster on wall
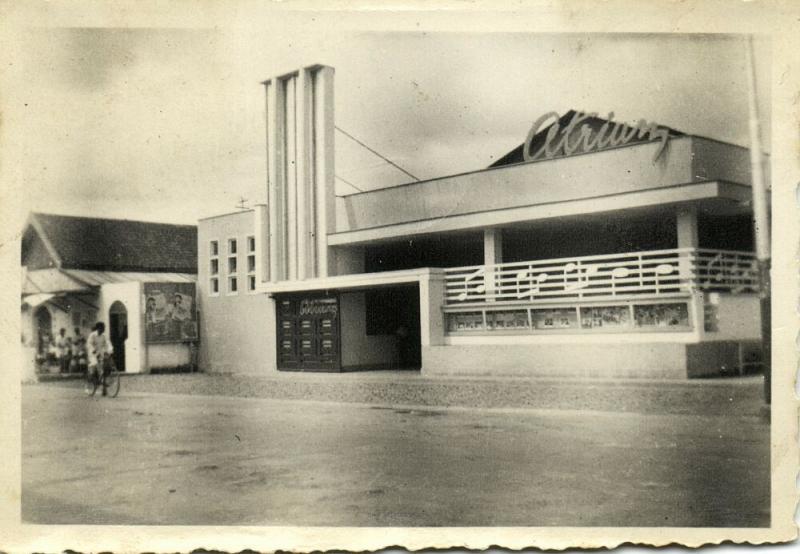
170	313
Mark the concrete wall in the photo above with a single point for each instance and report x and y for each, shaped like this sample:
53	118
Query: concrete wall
129	294
237	331
738	316
170	355
645	360
717	161
360	350
603	173
667	360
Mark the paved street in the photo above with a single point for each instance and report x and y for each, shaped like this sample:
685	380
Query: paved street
153	458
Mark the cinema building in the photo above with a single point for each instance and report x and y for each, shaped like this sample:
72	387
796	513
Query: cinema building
592	249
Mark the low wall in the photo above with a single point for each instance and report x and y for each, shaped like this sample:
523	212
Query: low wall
656	360
643	360
168	356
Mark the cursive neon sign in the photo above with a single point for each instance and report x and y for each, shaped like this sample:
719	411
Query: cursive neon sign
609	135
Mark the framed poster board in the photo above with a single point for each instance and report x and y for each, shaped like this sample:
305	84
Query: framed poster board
170	312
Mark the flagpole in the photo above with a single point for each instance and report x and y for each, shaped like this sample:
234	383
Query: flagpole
760	220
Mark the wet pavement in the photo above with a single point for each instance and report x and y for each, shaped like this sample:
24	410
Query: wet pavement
156	458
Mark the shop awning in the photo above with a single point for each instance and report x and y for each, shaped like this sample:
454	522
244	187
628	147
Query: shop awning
80	280
34	300
97	278
50	281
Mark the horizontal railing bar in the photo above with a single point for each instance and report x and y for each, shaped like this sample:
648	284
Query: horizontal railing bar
581	258
583	292
560	282
564	303
674	253
688	269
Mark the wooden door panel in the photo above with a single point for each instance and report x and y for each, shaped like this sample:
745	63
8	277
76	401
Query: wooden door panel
308	333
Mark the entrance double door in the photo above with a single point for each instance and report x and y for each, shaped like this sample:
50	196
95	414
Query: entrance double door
308	333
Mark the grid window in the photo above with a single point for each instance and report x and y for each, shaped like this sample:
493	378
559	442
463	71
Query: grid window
231	246
233	284
213	267
232	264
251	282
251	263
251	244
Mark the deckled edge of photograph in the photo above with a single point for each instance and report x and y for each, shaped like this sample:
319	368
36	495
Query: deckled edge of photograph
778	19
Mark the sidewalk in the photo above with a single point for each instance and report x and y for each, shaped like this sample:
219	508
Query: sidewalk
732	396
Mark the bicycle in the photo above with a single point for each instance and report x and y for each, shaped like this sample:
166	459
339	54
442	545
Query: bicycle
109	380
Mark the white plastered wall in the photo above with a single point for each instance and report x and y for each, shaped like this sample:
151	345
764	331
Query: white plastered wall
358	348
129	294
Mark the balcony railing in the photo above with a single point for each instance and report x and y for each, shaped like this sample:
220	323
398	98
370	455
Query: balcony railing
653	273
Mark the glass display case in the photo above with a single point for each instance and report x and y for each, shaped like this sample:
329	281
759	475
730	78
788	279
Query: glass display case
661	315
555	318
465	321
507	320
614	317
622	317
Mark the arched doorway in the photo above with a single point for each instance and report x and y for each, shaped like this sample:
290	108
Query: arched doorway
118	332
44	329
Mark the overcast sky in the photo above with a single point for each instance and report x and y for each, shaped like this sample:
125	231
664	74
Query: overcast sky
168	125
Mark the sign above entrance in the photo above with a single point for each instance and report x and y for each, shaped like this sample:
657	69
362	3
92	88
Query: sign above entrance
579	137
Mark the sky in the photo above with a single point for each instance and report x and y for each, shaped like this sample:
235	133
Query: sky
168	124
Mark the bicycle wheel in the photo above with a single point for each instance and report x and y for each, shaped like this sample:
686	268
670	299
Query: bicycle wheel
112	384
90	387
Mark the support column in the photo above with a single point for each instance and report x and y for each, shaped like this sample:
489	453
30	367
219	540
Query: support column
302	166
300	169
492	254
262	243
324	168
292	161
431	316
686	220
275	182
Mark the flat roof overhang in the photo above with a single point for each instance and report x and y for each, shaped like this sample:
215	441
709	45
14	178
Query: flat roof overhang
353	282
713	196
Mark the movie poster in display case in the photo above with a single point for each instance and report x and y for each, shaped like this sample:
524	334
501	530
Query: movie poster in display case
507	320
661	315
465	321
554	318
605	317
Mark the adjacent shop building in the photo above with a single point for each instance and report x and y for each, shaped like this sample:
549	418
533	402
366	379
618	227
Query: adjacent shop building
137	277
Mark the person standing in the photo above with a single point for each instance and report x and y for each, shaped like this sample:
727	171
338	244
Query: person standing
78	361
63	349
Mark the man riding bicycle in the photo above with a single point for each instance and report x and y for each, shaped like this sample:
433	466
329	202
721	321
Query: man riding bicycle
98	349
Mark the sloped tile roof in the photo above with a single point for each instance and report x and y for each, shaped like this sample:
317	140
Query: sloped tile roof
119	244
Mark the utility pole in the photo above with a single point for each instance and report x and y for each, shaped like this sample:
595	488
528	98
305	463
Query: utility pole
242	205
760	221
